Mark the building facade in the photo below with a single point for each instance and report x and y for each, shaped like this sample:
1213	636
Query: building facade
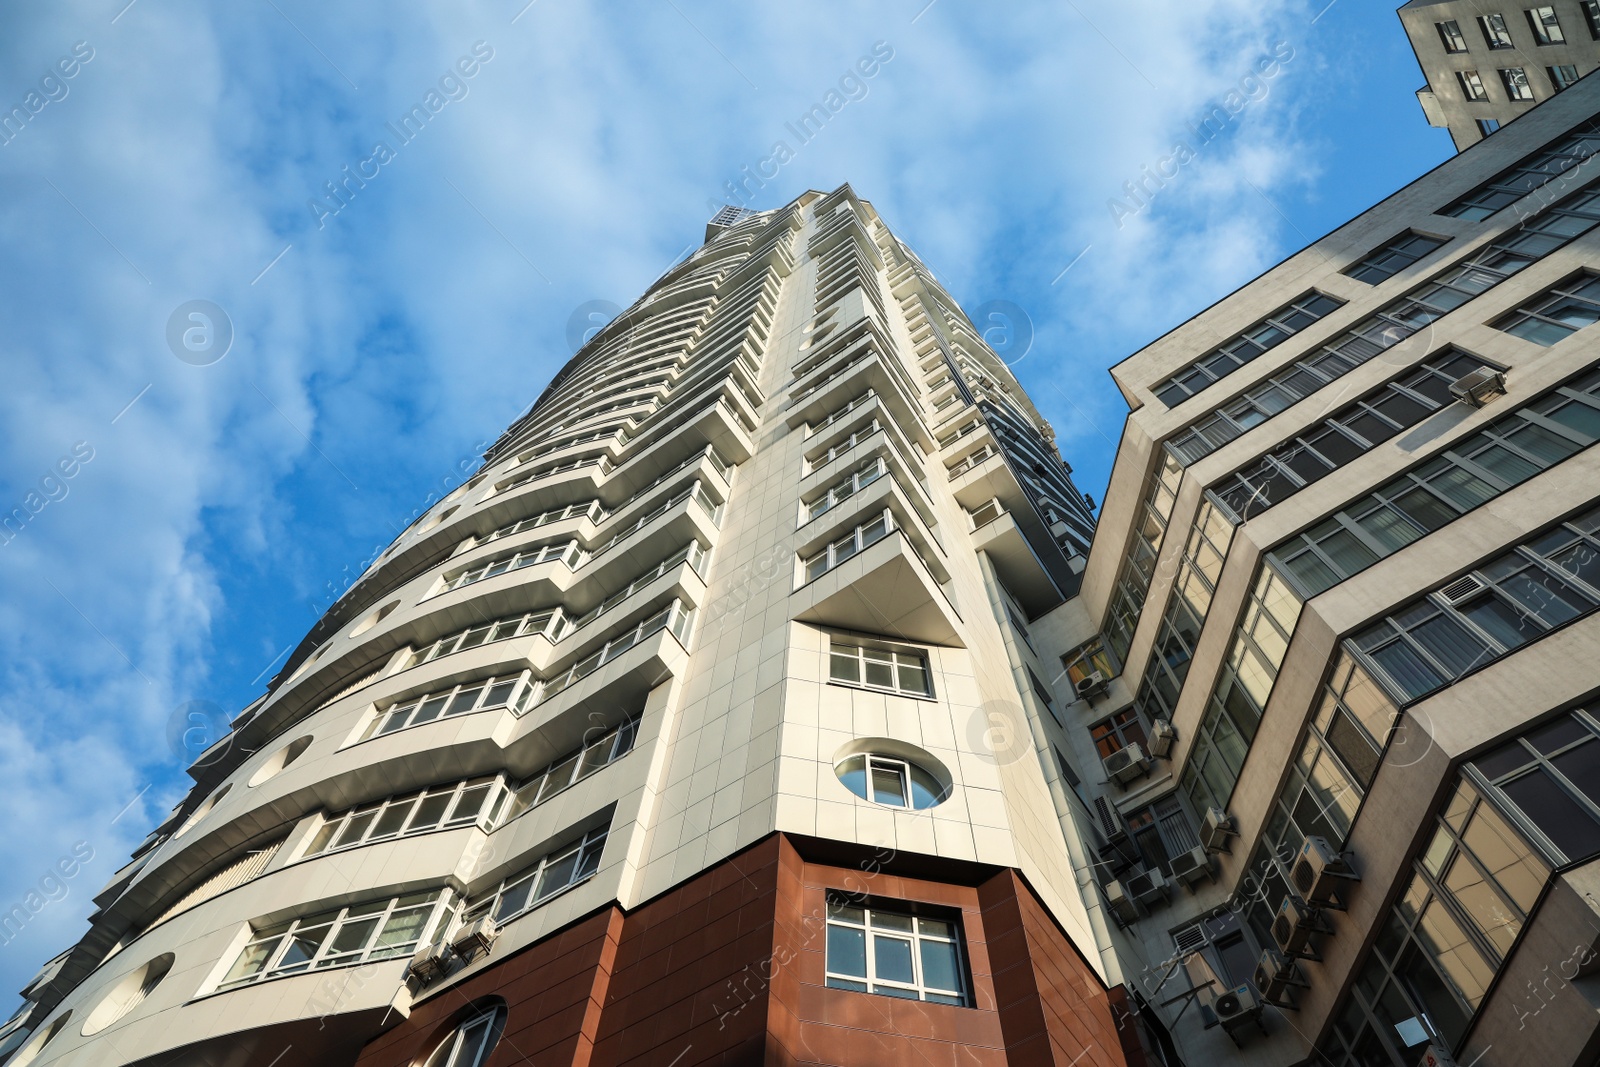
772	695
698	726
1337	635
1487	64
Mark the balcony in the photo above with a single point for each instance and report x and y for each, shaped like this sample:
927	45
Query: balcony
883	588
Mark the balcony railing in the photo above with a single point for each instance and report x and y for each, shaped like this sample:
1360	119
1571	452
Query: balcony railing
569	552
817	427
560	468
674	617
692	553
850	545
859	479
972	461
592	509
694	489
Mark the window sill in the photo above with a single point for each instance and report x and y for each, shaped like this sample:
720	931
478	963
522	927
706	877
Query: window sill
886	692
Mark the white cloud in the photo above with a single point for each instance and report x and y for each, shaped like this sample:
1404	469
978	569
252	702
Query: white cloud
412	325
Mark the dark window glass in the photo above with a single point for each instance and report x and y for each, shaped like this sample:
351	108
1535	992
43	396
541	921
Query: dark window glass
1555	813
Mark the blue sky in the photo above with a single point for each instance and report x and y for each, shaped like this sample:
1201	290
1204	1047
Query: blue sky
376	348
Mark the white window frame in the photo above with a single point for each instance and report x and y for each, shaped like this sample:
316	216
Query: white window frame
489	1022
585	853
873	653
517	699
842	490
873	927
330	925
336	833
856	541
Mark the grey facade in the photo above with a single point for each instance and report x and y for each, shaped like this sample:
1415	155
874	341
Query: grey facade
1487	64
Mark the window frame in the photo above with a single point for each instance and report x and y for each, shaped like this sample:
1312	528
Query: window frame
841	648
330	925
1519	90
1496	34
837	908
1471	85
1545	25
1450	35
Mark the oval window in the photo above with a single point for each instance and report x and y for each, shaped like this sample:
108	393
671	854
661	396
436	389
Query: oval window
470	1043
127	994
373	619
41	1039
891	781
203	810
280	759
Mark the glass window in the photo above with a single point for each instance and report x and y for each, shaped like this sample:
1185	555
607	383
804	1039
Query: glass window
1562	76
1233	354
1488	126
378	930
1515	79
896	668
1471	85
1394	256
555	871
1545	25
1591	16
470	1043
890	781
1530	173
894	953
1495	33
1450	35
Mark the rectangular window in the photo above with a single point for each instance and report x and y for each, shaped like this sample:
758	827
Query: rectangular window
892	667
1515	79
1471	85
359	933
1488	612
1345	436
569	552
1495	33
1547	778
1088	658
1488	126
1161	831
1545	25
1235	353
1469	472
1591	16
550	623
849	546
849	486
1557	313
572	768
894	953
476	801
1117	732
502	691
556	870
1562	77
1394	256
1450	35
1187	607
1530	173
1133	579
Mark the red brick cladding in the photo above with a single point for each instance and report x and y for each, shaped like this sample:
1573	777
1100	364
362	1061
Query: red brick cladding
728	969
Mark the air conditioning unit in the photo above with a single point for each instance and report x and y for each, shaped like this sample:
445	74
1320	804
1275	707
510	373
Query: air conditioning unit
1121	903
1477	388
1147	886
1436	1055
1295	925
1216	830
1276	975
475	937
1318	870
1090	685
1236	1008
429	961
1189	867
1125	764
1162	737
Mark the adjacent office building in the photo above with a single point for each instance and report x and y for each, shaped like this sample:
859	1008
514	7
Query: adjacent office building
1488	64
771	695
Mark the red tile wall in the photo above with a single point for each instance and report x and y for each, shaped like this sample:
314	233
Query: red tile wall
728	969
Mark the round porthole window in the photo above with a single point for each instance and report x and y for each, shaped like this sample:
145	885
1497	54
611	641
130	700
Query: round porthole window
374	618
127	994
37	1043
280	759
470	1043
893	774
203	810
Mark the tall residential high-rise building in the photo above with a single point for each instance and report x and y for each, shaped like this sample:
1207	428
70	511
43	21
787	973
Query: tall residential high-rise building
1487	63
698	726
771	694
